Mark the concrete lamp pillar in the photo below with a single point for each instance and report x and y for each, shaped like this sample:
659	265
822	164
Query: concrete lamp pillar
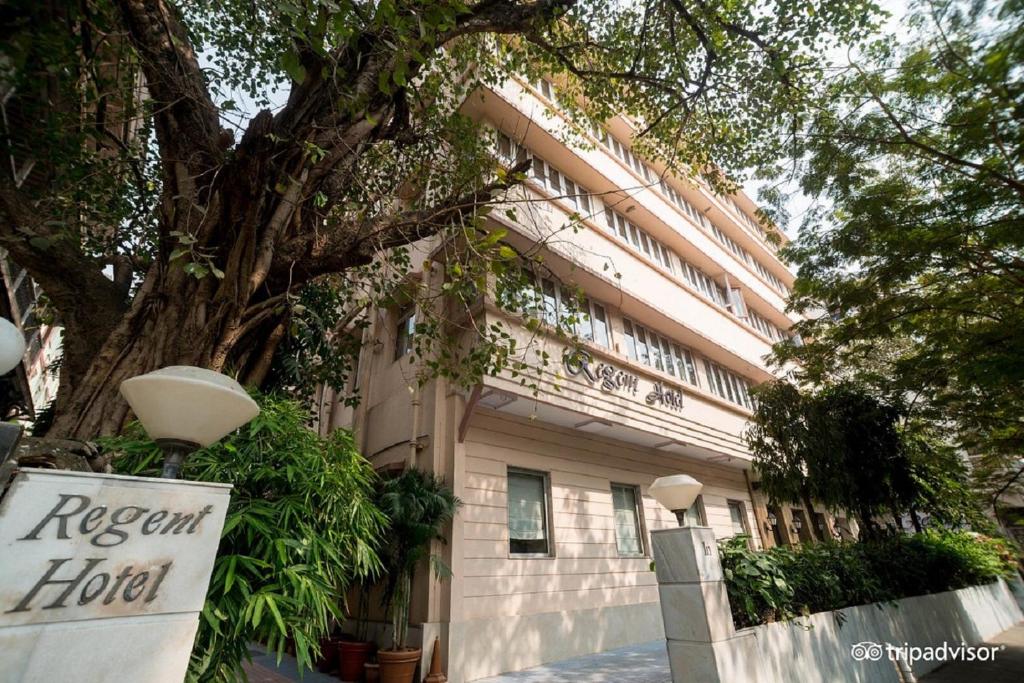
695	608
184	408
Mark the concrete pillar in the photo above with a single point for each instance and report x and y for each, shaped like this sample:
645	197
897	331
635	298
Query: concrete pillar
701	639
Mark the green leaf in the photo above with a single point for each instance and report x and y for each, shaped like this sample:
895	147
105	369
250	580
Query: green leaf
272	605
292	65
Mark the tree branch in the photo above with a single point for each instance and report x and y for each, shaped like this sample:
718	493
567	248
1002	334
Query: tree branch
302	259
89	303
186	116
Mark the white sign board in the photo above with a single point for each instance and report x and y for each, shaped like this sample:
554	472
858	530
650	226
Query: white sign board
102	577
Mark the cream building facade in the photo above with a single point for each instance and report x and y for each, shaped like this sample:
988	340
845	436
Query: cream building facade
550	552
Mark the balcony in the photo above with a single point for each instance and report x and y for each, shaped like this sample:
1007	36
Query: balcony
516	109
606	394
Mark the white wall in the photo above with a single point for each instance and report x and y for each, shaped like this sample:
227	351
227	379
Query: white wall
704	647
818	649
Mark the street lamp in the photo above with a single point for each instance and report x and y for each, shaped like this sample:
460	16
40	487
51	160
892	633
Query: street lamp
676	492
183	408
12	346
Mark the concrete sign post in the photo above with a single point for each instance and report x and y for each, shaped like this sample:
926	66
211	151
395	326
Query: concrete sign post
103	577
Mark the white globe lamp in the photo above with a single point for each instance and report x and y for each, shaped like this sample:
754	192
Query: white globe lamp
12	346
677	492
184	408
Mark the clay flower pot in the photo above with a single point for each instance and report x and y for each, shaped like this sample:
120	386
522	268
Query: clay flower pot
328	661
352	656
372	672
398	666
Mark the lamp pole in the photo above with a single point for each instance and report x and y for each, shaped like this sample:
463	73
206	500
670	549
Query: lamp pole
175	453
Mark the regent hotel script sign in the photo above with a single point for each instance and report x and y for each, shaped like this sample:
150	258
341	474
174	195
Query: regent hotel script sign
115	561
615	380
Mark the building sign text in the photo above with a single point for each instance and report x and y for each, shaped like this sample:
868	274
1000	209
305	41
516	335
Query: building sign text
612	379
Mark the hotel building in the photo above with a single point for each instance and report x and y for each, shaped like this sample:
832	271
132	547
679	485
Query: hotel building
550	552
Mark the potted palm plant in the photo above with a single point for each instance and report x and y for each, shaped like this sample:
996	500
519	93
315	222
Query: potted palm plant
354	652
419	505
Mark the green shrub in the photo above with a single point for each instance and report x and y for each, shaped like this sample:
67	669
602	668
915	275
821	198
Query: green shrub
757	587
300	528
783	582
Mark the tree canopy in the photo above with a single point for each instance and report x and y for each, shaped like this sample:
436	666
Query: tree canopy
166	224
849	450
911	262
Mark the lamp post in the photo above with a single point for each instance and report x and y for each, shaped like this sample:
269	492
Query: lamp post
184	408
676	492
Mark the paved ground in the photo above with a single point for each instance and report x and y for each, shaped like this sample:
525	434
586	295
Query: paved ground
1006	667
265	669
646	663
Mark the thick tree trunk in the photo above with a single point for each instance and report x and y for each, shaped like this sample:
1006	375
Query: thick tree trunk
262	212
163	328
174	319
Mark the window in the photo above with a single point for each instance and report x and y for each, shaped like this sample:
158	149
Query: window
406	329
600	318
640	240
567	191
766	328
738	518
684	362
592	323
728	385
641	346
767	275
703	282
631	351
666	355
694	515
545	88
736	304
528	528
509	150
628	527
550	314
820	525
651	349
555	305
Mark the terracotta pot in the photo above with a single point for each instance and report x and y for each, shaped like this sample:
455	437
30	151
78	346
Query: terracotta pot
398	666
352	656
372	673
328	661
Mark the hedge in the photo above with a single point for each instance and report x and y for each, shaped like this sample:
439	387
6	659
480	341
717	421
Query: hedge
789	581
